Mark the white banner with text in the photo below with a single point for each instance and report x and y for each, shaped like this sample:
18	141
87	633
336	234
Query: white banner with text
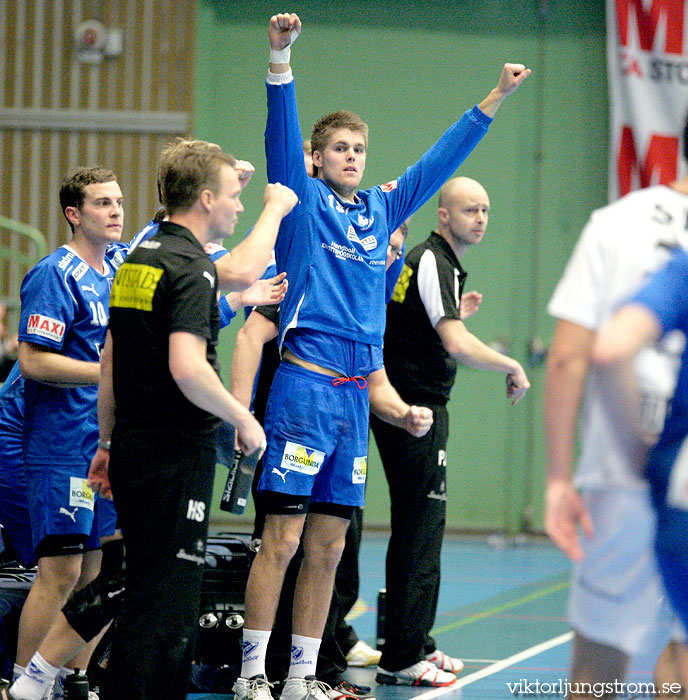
647	64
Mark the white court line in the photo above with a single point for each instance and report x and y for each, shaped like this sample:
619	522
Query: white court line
497	667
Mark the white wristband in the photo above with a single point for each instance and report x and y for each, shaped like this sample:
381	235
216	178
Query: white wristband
281	56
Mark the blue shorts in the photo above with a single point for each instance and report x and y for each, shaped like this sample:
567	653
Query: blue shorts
105	517
14	512
317	437
61	503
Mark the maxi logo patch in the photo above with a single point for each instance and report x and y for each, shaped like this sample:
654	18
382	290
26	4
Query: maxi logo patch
302	459
360	471
80	493
134	286
45	327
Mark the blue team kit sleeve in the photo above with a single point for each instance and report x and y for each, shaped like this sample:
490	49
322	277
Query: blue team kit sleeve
284	144
148	231
47	307
421	180
665	293
334	251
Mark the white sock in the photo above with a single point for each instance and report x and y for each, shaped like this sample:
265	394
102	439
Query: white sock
34	683
58	688
304	656
17	671
254	647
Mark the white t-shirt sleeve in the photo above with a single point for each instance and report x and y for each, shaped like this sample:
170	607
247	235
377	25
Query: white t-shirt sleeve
580	292
439	292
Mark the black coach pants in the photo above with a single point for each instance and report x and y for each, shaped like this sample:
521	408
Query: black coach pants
416	473
162	492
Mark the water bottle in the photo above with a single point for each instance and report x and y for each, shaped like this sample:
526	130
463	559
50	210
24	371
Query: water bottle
226	499
238	491
76	686
381	603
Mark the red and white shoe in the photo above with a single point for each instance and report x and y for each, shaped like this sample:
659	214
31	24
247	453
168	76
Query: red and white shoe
345	690
446	663
422	673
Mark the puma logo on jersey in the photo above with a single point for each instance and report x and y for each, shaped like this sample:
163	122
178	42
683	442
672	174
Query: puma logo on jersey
89	288
280	474
209	277
64	511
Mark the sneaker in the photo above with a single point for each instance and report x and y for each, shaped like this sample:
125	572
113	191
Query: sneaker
256	688
422	673
345	690
446	663
362	654
308	688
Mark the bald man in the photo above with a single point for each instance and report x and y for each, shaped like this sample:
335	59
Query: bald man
424	341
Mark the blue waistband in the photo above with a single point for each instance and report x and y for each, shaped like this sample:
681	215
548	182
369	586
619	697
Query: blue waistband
312	376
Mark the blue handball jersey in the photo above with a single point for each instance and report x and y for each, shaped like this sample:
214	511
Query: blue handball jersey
666	297
334	251
11	404
64	307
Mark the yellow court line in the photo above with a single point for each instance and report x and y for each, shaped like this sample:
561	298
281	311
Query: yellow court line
501	608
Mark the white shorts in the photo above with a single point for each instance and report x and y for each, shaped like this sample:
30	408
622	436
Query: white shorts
617	597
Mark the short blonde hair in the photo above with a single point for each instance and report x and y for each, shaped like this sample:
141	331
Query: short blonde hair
186	169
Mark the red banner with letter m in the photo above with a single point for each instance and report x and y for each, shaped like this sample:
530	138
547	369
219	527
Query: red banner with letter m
647	62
